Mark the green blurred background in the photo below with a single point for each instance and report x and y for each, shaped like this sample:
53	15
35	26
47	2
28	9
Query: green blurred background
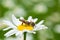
48	10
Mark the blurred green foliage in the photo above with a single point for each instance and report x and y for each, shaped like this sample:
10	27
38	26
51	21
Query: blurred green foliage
50	18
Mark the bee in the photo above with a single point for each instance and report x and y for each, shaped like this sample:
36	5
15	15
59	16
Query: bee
26	22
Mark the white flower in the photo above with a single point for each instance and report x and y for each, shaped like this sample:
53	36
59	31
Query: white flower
19	27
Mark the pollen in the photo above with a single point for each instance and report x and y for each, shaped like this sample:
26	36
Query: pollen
24	27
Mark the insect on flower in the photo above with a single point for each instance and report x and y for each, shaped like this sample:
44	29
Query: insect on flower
19	26
28	23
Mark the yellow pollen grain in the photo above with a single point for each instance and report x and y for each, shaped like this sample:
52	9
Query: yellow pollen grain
24	27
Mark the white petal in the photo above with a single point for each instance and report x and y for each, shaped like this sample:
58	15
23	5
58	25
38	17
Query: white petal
32	20
40	27
9	24
6	28
43	27
21	18
32	32
29	31
15	21
11	32
19	33
35	20
41	22
29	18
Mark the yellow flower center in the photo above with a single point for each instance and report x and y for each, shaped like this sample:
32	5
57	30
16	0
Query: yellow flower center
24	27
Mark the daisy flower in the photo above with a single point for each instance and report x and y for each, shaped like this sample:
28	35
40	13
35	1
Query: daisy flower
19	26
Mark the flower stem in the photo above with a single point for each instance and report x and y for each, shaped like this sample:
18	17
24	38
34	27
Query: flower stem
24	35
